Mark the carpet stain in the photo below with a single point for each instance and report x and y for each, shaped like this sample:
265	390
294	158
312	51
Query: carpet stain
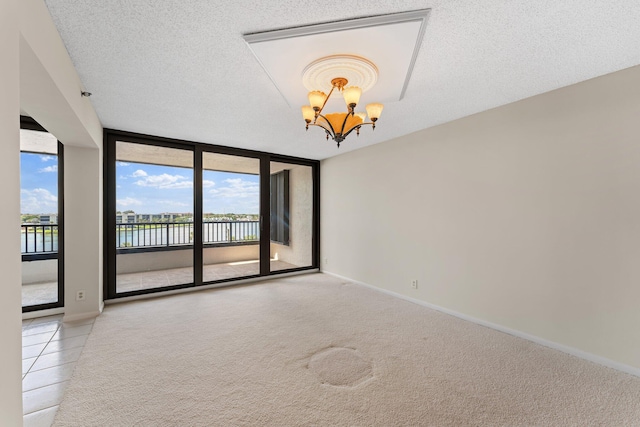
340	367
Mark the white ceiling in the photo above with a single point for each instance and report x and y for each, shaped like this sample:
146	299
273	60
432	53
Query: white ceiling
181	69
389	42
34	141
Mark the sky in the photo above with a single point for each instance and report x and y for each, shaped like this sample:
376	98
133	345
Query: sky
38	183
143	188
152	189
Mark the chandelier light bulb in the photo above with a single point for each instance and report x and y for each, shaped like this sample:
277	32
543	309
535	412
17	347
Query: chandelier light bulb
351	96
374	110
308	114
316	99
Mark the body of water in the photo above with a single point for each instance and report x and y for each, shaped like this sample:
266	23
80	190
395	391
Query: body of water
38	239
144	235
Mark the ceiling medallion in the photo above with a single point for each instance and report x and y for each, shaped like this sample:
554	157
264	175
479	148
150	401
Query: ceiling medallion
335	72
358	71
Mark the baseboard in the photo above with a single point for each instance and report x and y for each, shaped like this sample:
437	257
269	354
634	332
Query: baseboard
553	345
81	316
54	311
42	313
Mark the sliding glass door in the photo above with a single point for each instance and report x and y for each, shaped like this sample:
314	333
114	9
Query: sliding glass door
181	214
154	217
230	216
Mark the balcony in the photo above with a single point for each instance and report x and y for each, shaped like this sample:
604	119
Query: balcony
147	235
150	255
39	247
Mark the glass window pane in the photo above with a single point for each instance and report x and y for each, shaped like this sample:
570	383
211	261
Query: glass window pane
291	228
231	216
154	217
39	217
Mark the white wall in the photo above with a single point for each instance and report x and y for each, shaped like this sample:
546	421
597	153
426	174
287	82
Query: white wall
50	93
299	250
526	216
10	303
49	85
83	231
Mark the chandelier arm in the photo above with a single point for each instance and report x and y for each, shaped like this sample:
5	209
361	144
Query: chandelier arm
357	126
325	129
352	129
373	124
368	123
345	122
333	131
324	103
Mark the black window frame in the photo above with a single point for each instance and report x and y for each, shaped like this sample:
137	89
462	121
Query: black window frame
111	136
29	123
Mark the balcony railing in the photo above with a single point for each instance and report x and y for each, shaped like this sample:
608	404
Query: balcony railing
39	238
43	239
159	234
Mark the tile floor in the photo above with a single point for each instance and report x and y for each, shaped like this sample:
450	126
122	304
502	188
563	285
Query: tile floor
50	349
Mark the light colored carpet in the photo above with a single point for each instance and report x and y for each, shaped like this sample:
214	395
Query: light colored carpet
313	350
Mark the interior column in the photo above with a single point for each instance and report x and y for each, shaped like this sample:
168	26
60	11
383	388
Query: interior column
83	232
10	262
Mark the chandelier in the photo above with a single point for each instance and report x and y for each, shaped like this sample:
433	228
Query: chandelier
344	67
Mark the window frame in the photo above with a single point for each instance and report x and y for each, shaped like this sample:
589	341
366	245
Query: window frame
111	136
28	123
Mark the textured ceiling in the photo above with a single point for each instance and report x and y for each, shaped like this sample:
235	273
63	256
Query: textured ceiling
181	69
390	42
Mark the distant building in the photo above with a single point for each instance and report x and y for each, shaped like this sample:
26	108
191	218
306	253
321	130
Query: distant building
164	217
125	218
49	219
129	218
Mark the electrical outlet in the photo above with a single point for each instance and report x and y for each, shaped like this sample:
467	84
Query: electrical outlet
80	295
326	261
414	283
